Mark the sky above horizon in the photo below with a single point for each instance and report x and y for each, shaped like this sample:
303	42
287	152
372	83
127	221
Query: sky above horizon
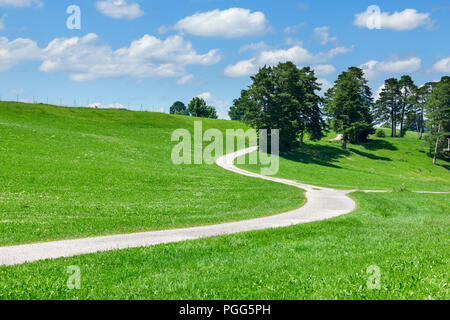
149	54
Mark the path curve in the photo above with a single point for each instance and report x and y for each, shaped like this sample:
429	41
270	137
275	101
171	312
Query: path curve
322	204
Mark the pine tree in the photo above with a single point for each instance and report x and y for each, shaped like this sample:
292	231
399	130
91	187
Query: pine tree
348	105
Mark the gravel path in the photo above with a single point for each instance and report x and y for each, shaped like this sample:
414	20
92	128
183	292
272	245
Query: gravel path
322	204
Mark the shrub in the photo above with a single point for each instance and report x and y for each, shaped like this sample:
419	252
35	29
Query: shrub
380	133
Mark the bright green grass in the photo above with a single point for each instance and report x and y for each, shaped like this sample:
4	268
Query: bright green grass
388	163
404	234
77	172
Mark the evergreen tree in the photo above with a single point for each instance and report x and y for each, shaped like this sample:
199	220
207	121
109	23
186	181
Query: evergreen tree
348	106
240	106
387	107
407	89
438	113
283	97
179	108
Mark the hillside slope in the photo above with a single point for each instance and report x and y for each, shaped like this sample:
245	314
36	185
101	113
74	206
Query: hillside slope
77	172
382	163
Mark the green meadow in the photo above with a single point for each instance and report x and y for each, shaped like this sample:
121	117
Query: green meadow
73	172
380	164
76	172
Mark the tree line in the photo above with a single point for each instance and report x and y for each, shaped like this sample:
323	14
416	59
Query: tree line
197	107
285	97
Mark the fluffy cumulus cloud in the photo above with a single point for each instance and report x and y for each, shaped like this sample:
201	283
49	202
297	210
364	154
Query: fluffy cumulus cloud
85	58
407	19
442	65
21	3
297	54
119	9
323	34
374	68
231	23
16	51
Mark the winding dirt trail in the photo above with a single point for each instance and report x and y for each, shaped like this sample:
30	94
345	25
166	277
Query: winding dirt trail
322	204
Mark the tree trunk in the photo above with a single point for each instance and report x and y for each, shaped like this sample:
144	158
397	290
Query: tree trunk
344	143
437	145
401	122
418	128
421	123
302	135
392	125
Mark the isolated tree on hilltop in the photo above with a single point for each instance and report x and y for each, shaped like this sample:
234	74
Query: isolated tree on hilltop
348	104
179	108
198	108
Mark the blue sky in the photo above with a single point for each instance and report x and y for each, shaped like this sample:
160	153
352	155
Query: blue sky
151	53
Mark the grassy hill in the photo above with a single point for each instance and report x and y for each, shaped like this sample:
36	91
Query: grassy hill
382	163
77	172
74	172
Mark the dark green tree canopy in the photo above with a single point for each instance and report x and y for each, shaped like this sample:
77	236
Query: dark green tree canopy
198	108
348	105
283	97
179	108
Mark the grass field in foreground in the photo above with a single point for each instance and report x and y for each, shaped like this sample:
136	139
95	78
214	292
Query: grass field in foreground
77	172
382	163
404	234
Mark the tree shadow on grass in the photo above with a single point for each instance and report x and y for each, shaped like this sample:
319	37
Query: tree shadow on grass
369	155
316	154
377	145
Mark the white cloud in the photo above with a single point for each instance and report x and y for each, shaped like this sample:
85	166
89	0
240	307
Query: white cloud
377	93
297	54
323	34
242	68
2	22
231	23
407	19
324	70
374	68
254	47
325	84
213	101
442	65
185	79
85	59
16	51
293	29
119	9
21	3
100	105
293	42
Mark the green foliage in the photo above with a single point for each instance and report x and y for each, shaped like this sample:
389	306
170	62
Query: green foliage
379	164
438	113
179	108
380	133
283	97
240	106
198	108
348	104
